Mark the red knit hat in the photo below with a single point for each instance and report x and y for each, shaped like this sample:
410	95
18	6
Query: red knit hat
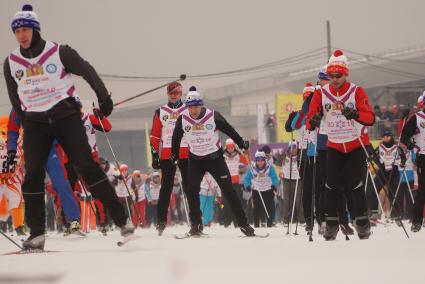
174	87
338	63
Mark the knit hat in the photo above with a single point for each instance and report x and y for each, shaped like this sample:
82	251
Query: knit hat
25	18
322	74
229	142
337	63
174	87
387	132
137	173
193	98
123	167
260	155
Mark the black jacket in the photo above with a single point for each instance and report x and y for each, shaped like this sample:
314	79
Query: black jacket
221	124
74	64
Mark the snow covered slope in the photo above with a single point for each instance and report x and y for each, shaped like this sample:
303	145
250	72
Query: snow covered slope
388	257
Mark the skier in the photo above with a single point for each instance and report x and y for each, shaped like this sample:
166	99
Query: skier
290	174
210	192
200	126
137	184
123	183
262	179
346	113
163	124
48	106
233	159
153	191
415	128
387	153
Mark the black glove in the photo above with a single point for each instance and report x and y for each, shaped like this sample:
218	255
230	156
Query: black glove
350	113
11	158
98	113
403	158
106	105
155	160
288	122
120	177
315	121
174	159
244	145
409	145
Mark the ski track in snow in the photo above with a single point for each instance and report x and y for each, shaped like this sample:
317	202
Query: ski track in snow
387	257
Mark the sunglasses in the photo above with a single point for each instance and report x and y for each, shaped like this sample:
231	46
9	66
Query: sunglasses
338	76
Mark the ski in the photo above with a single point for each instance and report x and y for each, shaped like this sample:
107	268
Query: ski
75	233
127	240
29	251
257	236
187	236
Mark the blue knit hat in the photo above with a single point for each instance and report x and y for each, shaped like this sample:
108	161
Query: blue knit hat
193	98
322	74
25	18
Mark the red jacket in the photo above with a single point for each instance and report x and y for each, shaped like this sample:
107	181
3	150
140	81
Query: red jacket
156	134
366	115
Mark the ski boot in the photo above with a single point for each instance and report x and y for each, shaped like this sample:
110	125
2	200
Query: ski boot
416	227
308	226
195	230
34	243
127	230
161	227
20	231
103	230
322	228
346	229
247	230
331	231
363	231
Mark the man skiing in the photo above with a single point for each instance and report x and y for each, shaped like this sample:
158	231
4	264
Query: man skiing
346	114
163	124
200	127
42	92
414	129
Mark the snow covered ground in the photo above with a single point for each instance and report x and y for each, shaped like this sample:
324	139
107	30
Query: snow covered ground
387	257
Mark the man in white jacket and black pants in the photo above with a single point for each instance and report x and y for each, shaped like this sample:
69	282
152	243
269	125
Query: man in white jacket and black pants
200	127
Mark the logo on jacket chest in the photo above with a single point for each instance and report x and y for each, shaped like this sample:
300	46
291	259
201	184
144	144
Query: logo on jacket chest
35	70
198	126
19	74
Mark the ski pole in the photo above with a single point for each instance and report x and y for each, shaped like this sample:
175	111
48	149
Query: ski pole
313	193
118	166
15	243
368	157
181	78
297	182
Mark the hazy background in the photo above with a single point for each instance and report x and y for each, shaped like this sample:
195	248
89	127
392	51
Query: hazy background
167	38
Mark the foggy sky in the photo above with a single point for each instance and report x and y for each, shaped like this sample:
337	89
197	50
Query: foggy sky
157	38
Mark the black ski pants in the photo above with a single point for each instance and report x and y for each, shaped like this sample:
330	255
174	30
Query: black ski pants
219	171
168	171
268	198
345	171
71	134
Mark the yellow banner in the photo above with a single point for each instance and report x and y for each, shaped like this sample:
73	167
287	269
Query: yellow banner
285	104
